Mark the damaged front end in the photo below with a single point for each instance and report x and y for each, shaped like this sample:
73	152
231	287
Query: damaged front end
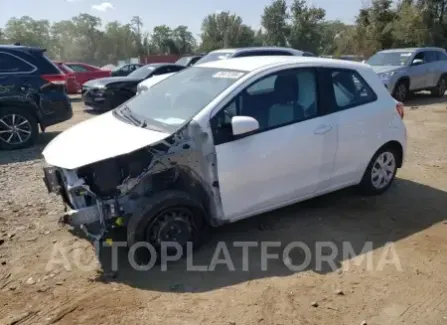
107	192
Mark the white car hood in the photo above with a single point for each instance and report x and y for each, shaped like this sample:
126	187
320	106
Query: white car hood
97	139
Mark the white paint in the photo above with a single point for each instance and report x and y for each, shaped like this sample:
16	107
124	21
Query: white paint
97	139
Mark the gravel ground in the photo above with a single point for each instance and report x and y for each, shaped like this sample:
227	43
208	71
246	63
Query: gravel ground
407	223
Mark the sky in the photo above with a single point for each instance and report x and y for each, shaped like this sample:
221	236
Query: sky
153	12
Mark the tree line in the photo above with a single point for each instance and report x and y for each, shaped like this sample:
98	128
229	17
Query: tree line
381	24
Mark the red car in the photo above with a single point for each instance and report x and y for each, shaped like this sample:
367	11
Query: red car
85	72
73	86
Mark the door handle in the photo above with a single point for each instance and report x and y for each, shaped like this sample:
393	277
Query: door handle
323	129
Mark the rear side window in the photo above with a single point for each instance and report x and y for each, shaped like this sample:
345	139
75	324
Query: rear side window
431	56
350	89
441	56
13	64
77	68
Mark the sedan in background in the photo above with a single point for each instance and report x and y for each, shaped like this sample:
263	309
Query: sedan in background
189	60
86	72
125	69
73	86
104	94
224	54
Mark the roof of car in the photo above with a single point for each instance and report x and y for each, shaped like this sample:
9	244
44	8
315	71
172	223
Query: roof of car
412	49
262	48
257	62
160	64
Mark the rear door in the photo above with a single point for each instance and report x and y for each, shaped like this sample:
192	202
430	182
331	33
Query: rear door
82	73
16	76
350	104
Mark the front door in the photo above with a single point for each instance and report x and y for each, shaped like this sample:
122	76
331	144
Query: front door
287	158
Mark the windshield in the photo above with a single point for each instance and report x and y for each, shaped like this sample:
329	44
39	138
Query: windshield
215	57
118	67
175	100
389	58
141	73
183	61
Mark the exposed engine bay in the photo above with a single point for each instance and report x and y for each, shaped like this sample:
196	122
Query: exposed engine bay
106	190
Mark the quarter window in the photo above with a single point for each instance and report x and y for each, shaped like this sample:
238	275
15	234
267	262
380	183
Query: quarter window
350	89
77	68
12	64
277	100
441	56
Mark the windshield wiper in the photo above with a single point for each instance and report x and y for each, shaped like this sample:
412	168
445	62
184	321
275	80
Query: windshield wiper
127	113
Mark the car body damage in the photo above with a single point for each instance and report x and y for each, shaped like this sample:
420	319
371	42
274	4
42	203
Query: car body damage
112	189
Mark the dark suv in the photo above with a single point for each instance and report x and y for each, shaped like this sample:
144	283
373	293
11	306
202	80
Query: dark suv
32	93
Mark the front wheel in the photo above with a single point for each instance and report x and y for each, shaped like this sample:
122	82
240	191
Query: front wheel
380	173
170	218
18	128
401	91
440	88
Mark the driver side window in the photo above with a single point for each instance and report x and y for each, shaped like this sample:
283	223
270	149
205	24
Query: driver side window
277	100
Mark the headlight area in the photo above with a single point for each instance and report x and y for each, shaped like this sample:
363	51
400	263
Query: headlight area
83	207
103	193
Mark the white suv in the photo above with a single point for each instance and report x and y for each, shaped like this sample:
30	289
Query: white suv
226	140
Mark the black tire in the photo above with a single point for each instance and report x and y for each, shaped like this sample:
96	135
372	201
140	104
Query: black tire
151	217
31	126
401	91
369	183
440	88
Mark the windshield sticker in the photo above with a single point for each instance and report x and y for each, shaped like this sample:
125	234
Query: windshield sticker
405	54
227	74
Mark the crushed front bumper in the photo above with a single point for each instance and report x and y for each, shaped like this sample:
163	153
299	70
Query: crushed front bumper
83	207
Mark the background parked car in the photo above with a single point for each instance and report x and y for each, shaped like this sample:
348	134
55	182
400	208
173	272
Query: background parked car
32	93
251	51
412	69
73	86
148	83
107	93
189	60
125	70
85	72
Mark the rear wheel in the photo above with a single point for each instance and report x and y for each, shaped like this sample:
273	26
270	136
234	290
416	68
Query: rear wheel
18	128
440	88
380	173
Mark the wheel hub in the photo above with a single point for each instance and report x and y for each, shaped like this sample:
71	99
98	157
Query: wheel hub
170	226
14	129
383	170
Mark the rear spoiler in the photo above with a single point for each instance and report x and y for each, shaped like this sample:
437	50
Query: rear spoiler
34	49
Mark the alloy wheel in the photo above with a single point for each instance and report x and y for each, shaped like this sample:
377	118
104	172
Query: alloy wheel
442	87
383	170
15	129
401	92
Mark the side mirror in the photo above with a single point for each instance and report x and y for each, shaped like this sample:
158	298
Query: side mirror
243	124
417	62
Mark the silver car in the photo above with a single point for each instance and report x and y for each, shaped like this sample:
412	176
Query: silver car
412	69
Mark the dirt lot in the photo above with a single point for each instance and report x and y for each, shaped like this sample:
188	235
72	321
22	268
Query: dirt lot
409	223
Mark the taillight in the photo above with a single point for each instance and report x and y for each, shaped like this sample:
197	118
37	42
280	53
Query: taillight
57	79
400	109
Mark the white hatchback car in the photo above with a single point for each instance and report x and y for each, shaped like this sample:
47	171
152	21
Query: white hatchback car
226	140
